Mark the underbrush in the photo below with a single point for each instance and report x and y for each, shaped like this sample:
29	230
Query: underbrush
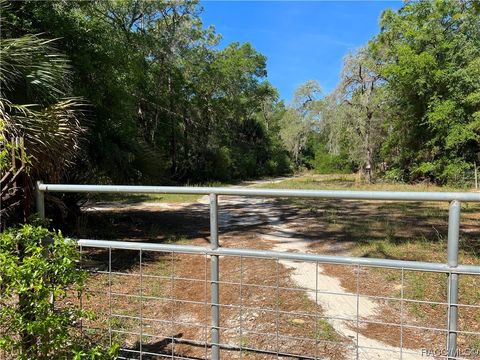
40	286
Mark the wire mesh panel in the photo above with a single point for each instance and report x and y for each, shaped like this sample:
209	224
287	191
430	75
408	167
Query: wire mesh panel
146	303
157	304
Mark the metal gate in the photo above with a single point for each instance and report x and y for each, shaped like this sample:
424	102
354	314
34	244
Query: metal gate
212	341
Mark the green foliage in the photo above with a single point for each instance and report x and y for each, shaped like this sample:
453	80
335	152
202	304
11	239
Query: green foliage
328	163
38	277
223	163
279	164
5	156
40	119
408	104
35	102
430	54
165	102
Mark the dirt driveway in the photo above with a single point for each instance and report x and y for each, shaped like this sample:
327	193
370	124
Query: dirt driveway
268	307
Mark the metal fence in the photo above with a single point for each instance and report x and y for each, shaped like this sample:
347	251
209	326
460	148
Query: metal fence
218	338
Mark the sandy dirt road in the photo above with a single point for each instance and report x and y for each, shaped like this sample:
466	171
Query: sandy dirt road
340	306
272	223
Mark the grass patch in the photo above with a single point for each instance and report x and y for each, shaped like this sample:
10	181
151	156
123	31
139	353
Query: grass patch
176	239
310	181
425	286
325	331
139	198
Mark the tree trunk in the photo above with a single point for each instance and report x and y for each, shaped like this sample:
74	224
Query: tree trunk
173	137
368	149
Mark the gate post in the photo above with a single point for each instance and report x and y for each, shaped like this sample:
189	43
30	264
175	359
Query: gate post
40	201
453	240
214	278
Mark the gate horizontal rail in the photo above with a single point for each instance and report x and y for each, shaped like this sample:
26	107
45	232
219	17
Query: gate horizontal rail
326	194
323	259
452	268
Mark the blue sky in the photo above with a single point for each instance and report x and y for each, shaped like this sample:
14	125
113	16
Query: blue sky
301	40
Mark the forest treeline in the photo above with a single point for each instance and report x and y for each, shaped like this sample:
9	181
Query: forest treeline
152	96
140	91
407	106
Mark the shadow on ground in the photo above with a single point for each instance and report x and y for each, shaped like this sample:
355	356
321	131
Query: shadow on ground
340	224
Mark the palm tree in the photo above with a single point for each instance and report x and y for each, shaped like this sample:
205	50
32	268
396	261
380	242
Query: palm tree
36	106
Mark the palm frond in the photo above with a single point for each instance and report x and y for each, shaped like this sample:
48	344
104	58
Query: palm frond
34	61
50	122
52	134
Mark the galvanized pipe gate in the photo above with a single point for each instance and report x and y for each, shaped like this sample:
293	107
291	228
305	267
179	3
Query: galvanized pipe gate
452	268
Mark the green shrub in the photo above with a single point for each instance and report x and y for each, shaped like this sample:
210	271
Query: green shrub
39	283
395	174
454	171
326	163
279	164
222	164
